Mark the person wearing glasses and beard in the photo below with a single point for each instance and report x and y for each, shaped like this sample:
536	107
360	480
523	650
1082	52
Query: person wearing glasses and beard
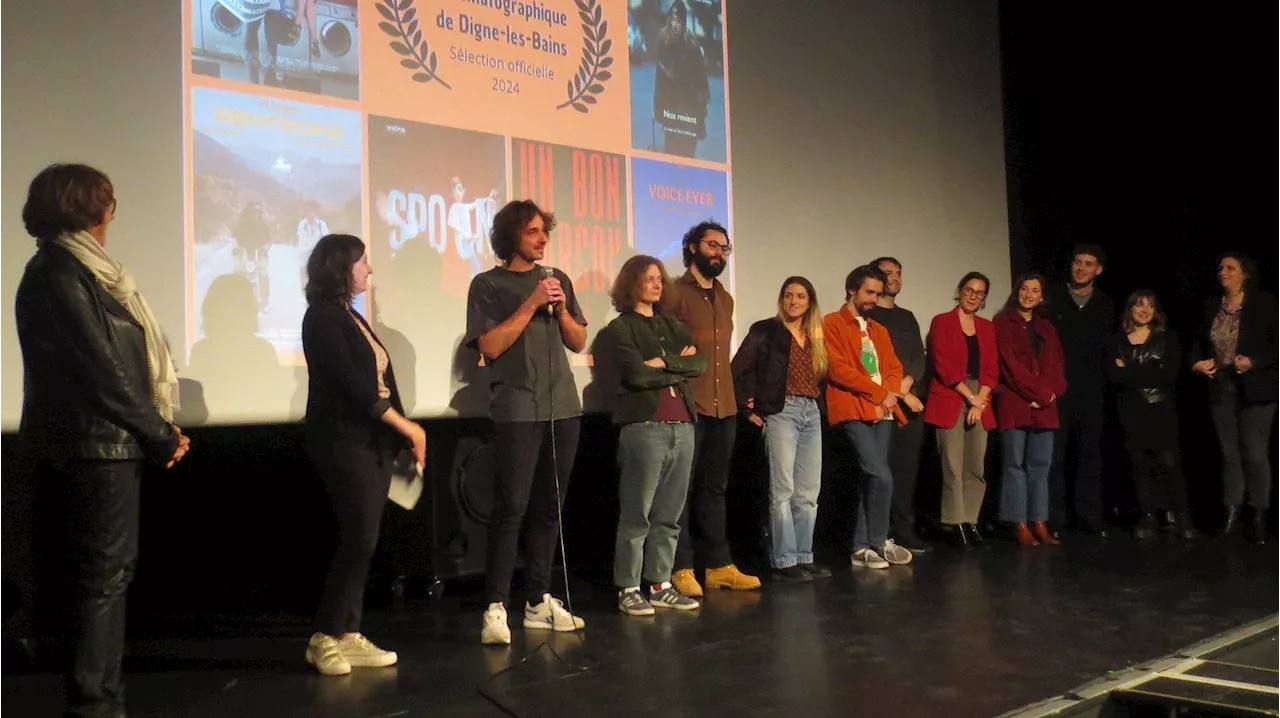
699	300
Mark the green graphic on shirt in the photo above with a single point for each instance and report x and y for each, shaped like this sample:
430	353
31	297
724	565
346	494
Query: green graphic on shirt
869	359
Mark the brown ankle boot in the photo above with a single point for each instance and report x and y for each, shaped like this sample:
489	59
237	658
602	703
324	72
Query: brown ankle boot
1022	533
1044	535
730	577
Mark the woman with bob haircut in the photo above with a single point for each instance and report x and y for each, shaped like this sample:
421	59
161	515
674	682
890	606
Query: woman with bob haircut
99	395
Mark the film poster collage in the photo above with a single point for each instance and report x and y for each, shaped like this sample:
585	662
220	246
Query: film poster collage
409	123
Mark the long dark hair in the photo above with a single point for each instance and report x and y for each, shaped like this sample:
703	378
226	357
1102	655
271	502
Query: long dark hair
329	268
1013	306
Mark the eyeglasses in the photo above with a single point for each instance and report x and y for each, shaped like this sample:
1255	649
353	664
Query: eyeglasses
973	293
724	249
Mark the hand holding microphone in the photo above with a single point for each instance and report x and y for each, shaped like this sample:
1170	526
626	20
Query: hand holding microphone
551	291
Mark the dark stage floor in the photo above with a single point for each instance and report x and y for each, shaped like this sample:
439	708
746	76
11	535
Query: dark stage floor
953	634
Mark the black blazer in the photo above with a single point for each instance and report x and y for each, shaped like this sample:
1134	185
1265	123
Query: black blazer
760	367
86	383
1257	340
342	390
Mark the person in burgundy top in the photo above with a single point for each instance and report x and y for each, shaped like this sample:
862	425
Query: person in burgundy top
1031	380
775	377
966	371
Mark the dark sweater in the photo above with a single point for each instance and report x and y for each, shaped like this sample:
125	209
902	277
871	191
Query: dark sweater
904	330
634	339
1085	333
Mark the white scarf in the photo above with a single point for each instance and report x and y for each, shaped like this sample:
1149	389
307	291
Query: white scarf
115	278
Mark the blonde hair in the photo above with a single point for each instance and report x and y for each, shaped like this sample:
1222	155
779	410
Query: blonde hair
811	323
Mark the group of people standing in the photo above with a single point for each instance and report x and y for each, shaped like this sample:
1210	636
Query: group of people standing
100	398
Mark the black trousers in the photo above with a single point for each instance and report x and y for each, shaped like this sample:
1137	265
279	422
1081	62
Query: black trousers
703	523
904	464
89	516
356	478
1075	479
1244	436
1151	440
527	480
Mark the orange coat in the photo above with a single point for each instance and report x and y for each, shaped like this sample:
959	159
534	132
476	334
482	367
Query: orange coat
851	394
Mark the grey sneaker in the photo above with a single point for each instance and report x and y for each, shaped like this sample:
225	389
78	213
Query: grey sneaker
868	558
669	597
894	554
632	603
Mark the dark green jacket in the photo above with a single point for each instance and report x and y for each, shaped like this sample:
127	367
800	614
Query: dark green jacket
636	339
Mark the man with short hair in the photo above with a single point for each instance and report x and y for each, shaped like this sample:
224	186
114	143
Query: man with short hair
904	448
1085	318
699	300
863	388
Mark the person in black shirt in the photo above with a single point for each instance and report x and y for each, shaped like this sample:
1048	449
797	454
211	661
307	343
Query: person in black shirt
904	449
1085	318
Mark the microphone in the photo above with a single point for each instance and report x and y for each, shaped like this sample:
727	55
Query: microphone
548	273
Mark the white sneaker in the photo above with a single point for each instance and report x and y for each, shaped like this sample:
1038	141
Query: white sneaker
550	614
360	651
868	558
496	632
894	554
323	653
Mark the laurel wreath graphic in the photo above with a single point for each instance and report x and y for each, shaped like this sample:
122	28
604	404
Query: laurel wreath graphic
401	22
586	83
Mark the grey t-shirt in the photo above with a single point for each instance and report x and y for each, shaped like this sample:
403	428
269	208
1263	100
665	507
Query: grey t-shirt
532	379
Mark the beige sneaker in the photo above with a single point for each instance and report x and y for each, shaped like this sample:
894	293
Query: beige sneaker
550	614
323	653
360	651
495	632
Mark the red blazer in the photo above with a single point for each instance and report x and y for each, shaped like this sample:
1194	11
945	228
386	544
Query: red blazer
1024	378
950	356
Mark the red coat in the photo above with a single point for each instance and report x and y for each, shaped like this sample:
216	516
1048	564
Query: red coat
950	355
1024	378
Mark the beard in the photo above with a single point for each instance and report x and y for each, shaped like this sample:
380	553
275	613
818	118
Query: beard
706	267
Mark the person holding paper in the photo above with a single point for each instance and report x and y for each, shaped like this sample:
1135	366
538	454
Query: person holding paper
355	427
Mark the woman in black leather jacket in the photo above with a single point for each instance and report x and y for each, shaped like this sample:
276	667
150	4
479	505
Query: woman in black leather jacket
1145	362
99	393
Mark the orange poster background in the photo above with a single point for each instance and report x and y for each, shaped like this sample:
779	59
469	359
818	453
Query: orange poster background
471	100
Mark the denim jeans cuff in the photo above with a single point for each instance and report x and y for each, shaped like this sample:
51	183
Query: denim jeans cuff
779	565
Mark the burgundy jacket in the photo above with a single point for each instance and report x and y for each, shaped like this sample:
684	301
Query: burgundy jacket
1024	378
950	355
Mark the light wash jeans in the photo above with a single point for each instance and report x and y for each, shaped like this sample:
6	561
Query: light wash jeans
875	485
793	440
1024	491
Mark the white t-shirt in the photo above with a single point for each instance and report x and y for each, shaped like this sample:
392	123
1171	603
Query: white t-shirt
870	357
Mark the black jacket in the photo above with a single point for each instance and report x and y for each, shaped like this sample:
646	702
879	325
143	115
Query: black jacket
635	339
86	382
1150	370
1085	335
342	389
1257	340
760	367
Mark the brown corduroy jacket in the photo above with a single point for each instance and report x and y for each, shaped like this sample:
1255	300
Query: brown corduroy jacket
711	324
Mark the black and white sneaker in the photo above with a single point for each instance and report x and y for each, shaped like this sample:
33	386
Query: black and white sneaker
669	597
632	603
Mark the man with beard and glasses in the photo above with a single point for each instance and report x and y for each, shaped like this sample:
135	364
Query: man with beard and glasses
699	300
904	448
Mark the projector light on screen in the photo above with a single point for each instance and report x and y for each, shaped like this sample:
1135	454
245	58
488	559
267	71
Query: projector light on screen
410	124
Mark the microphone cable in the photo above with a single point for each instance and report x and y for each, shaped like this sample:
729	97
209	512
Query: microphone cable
482	687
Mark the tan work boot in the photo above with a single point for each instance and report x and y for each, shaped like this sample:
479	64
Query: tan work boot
687	583
730	577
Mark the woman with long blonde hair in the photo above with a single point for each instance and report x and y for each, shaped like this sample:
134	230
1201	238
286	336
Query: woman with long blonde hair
776	376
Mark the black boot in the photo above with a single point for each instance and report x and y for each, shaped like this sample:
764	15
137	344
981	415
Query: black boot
1183	526
974	535
956	535
1168	521
1144	528
1232	520
1255	531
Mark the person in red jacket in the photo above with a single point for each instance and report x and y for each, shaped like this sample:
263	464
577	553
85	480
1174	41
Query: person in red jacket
966	371
1031	380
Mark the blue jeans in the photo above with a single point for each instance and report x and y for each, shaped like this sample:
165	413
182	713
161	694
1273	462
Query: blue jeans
655	460
1024	492
793	440
875	487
